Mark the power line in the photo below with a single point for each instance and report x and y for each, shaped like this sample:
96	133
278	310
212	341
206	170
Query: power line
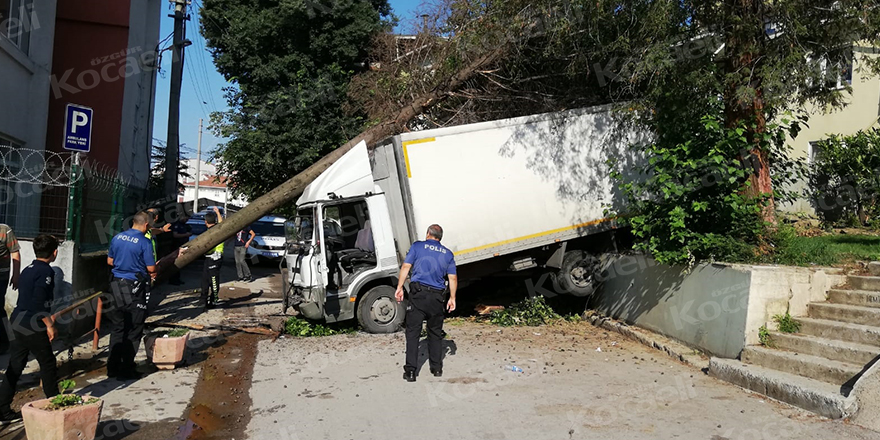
196	88
201	46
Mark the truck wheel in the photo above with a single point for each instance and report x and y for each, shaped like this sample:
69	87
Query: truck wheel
379	312
577	276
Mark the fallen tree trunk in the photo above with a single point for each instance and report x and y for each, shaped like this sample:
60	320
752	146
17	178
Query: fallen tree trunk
289	190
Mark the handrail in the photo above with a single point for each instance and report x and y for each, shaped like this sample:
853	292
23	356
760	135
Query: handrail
98	312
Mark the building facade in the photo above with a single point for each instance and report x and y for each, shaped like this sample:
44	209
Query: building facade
27	35
861	112
211	188
99	54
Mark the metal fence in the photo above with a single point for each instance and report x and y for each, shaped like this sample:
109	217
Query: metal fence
63	195
100	201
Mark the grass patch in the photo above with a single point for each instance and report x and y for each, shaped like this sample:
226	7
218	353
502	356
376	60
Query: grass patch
303	328
764	337
787	324
826	250
528	312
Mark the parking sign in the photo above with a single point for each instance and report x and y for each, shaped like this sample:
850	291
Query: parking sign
78	128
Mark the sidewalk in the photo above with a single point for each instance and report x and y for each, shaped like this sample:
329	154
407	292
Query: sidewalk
155	407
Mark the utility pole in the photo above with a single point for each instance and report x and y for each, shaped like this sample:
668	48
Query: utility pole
198	168
172	149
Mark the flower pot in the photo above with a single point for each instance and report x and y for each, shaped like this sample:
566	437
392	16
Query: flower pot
78	422
166	353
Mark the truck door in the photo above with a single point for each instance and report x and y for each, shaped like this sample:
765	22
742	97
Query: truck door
348	244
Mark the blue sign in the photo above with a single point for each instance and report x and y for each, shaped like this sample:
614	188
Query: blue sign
78	128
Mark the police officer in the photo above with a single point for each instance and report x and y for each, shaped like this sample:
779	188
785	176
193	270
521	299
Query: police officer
430	262
213	261
134	266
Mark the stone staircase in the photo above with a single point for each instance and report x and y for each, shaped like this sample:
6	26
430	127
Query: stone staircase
816	368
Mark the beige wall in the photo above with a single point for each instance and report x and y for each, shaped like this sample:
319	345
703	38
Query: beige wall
861	113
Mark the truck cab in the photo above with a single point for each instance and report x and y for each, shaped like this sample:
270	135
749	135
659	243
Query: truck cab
346	268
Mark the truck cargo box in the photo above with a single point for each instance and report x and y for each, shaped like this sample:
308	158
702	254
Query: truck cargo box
504	186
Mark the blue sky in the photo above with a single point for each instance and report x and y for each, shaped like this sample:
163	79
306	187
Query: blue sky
202	90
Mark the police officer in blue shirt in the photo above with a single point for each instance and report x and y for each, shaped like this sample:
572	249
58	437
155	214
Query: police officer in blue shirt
431	263
134	266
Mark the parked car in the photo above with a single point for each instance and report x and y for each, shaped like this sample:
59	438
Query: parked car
269	240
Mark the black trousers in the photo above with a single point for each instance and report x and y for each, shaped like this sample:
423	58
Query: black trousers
25	342
425	304
211	281
5	330
175	277
126	317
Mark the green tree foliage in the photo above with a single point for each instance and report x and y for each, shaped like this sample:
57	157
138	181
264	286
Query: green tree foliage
289	62
687	202
156	184
845	177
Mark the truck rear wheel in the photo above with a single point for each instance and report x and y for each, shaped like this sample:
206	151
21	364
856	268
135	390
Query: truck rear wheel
578	274
379	312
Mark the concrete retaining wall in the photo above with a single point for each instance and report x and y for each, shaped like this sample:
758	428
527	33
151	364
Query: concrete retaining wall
776	289
717	308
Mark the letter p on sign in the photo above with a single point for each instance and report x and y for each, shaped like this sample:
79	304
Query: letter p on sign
80	119
78	128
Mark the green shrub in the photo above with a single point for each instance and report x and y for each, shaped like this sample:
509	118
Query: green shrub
65	400
764	337
178	332
529	312
303	328
787	324
844	179
689	201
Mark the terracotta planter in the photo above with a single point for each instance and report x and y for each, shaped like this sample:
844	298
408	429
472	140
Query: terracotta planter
166	353
74	423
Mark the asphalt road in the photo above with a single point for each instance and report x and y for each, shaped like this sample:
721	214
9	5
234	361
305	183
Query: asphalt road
350	387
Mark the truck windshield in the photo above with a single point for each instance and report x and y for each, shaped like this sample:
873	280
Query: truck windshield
302	228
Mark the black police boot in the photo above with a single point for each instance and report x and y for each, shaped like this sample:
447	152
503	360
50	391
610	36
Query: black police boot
437	372
409	376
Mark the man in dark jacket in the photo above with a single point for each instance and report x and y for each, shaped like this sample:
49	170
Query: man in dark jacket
33	327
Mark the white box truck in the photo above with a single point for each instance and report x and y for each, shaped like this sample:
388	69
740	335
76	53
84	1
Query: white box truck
518	194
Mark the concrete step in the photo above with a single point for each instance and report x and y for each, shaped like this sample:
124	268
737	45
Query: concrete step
845	313
865	298
819	397
835	350
842	331
813	367
874	268
864	282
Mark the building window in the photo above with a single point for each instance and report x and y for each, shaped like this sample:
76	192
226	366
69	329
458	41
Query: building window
17	20
813	153
834	74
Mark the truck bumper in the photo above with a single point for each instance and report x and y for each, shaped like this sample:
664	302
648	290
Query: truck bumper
310	310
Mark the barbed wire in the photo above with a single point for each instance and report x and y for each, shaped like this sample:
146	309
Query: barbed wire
41	167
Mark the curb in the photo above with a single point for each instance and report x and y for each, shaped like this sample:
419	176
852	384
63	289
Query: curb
673	349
